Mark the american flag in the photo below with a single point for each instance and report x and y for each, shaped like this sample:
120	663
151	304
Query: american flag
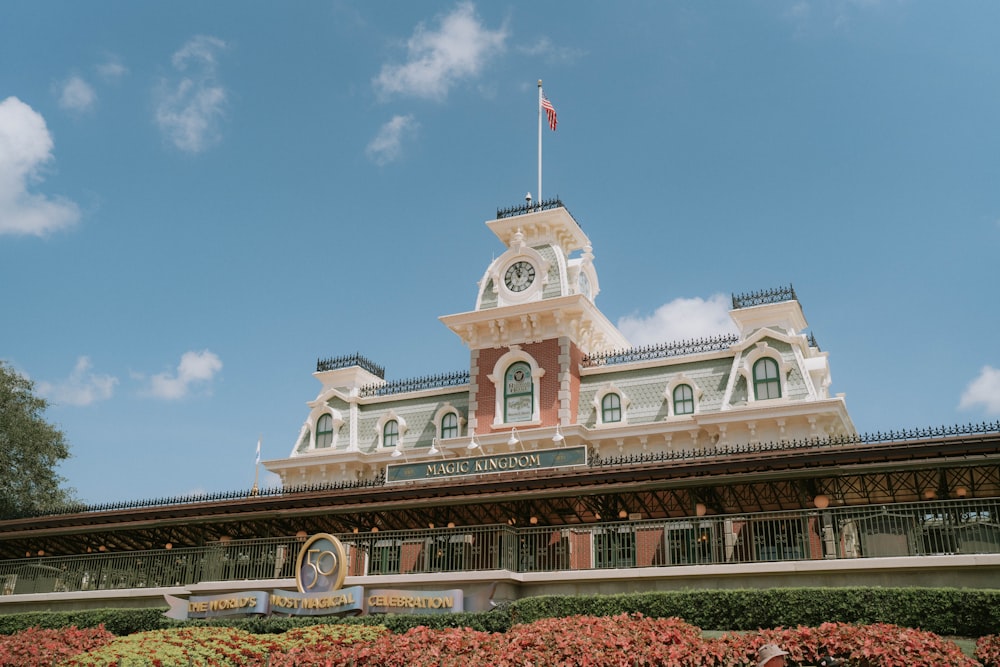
550	112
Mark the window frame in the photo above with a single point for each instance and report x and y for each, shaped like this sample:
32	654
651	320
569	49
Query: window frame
386	442
324	437
449	426
768	382
616	412
498	379
687	400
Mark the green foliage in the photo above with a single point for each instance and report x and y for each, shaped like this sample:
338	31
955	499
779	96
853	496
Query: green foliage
489	621
117	621
181	647
944	611
30	449
970	613
304	647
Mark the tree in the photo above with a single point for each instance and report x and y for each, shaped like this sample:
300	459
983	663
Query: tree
30	450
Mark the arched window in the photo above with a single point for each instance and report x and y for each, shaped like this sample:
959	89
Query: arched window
390	433
683	400
518	393
611	408
766	381
449	426
324	431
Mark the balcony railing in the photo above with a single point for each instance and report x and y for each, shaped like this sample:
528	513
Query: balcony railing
903	530
453	379
763	297
529	207
335	363
660	351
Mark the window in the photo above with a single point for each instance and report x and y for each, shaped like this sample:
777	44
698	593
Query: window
518	393
610	405
766	382
683	400
324	431
611	408
516	378
449	426
390	433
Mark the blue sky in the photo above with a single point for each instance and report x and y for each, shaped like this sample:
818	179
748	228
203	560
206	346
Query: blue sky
197	200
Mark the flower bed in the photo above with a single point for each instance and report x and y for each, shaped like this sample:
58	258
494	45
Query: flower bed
587	641
988	650
42	647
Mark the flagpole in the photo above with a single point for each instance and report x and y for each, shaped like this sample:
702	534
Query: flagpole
256	469
539	199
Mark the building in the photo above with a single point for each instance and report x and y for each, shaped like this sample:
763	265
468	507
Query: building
543	357
562	460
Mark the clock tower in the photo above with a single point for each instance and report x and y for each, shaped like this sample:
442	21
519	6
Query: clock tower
533	322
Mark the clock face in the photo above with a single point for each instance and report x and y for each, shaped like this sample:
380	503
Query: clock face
519	276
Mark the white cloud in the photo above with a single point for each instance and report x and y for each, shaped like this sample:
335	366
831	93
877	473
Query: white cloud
111	70
838	14
544	48
387	146
25	147
680	319
81	387
195	368
75	94
190	107
437	59
984	391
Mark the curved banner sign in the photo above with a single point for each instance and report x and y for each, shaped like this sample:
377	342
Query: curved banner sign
322	565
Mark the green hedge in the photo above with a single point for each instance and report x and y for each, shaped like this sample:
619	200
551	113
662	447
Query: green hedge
119	621
944	611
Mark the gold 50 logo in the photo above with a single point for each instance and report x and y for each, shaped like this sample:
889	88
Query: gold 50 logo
322	565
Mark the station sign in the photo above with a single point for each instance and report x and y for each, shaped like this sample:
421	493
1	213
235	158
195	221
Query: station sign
487	464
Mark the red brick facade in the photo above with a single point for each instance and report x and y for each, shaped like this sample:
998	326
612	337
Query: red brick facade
410	556
575	363
579	550
546	355
648	547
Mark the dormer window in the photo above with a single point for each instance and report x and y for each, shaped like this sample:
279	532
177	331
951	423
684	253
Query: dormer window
449	426
683	400
389	430
447	422
611	408
390	433
324	431
682	395
766	379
